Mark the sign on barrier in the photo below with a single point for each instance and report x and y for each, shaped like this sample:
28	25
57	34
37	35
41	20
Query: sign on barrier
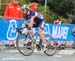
57	31
61	32
8	29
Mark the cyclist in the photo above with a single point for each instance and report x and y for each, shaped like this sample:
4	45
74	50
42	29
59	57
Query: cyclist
35	19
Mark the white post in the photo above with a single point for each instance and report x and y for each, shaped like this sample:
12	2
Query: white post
45	5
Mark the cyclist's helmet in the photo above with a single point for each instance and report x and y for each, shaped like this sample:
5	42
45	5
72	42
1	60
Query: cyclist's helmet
25	7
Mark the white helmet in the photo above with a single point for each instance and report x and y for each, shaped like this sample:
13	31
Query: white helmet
25	7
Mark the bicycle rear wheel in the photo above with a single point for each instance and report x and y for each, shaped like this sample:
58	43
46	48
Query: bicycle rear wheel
21	44
51	49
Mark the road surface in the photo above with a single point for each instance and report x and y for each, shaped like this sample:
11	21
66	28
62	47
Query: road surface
14	55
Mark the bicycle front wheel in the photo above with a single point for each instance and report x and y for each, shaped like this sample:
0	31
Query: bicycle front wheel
51	49
21	44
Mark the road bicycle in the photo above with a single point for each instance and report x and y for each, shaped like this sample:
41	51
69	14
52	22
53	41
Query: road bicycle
23	37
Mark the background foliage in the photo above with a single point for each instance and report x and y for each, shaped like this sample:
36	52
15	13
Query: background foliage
63	9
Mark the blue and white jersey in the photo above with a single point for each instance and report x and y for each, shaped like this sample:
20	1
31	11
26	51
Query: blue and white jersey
39	17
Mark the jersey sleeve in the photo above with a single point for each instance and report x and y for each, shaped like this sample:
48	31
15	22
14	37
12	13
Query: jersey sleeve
34	13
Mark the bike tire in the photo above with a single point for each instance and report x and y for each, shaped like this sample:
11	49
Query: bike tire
23	48
51	50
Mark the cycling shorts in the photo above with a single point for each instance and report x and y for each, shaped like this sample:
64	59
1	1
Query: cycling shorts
39	25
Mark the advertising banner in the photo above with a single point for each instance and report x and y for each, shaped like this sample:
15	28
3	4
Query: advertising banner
57	31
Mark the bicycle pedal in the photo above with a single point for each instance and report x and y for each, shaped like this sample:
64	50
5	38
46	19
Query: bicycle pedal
38	47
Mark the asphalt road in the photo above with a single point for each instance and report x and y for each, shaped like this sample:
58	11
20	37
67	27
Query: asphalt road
14	55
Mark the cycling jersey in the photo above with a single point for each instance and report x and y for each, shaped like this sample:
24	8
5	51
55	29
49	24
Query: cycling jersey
39	19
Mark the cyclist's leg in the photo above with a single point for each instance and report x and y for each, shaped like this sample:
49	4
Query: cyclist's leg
28	40
40	32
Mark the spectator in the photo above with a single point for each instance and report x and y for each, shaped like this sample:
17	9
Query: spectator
13	11
33	6
57	21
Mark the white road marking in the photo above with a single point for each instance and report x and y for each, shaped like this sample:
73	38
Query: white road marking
12	51
12	58
67	52
57	56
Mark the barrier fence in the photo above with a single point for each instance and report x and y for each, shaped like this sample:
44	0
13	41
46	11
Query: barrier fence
61	32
